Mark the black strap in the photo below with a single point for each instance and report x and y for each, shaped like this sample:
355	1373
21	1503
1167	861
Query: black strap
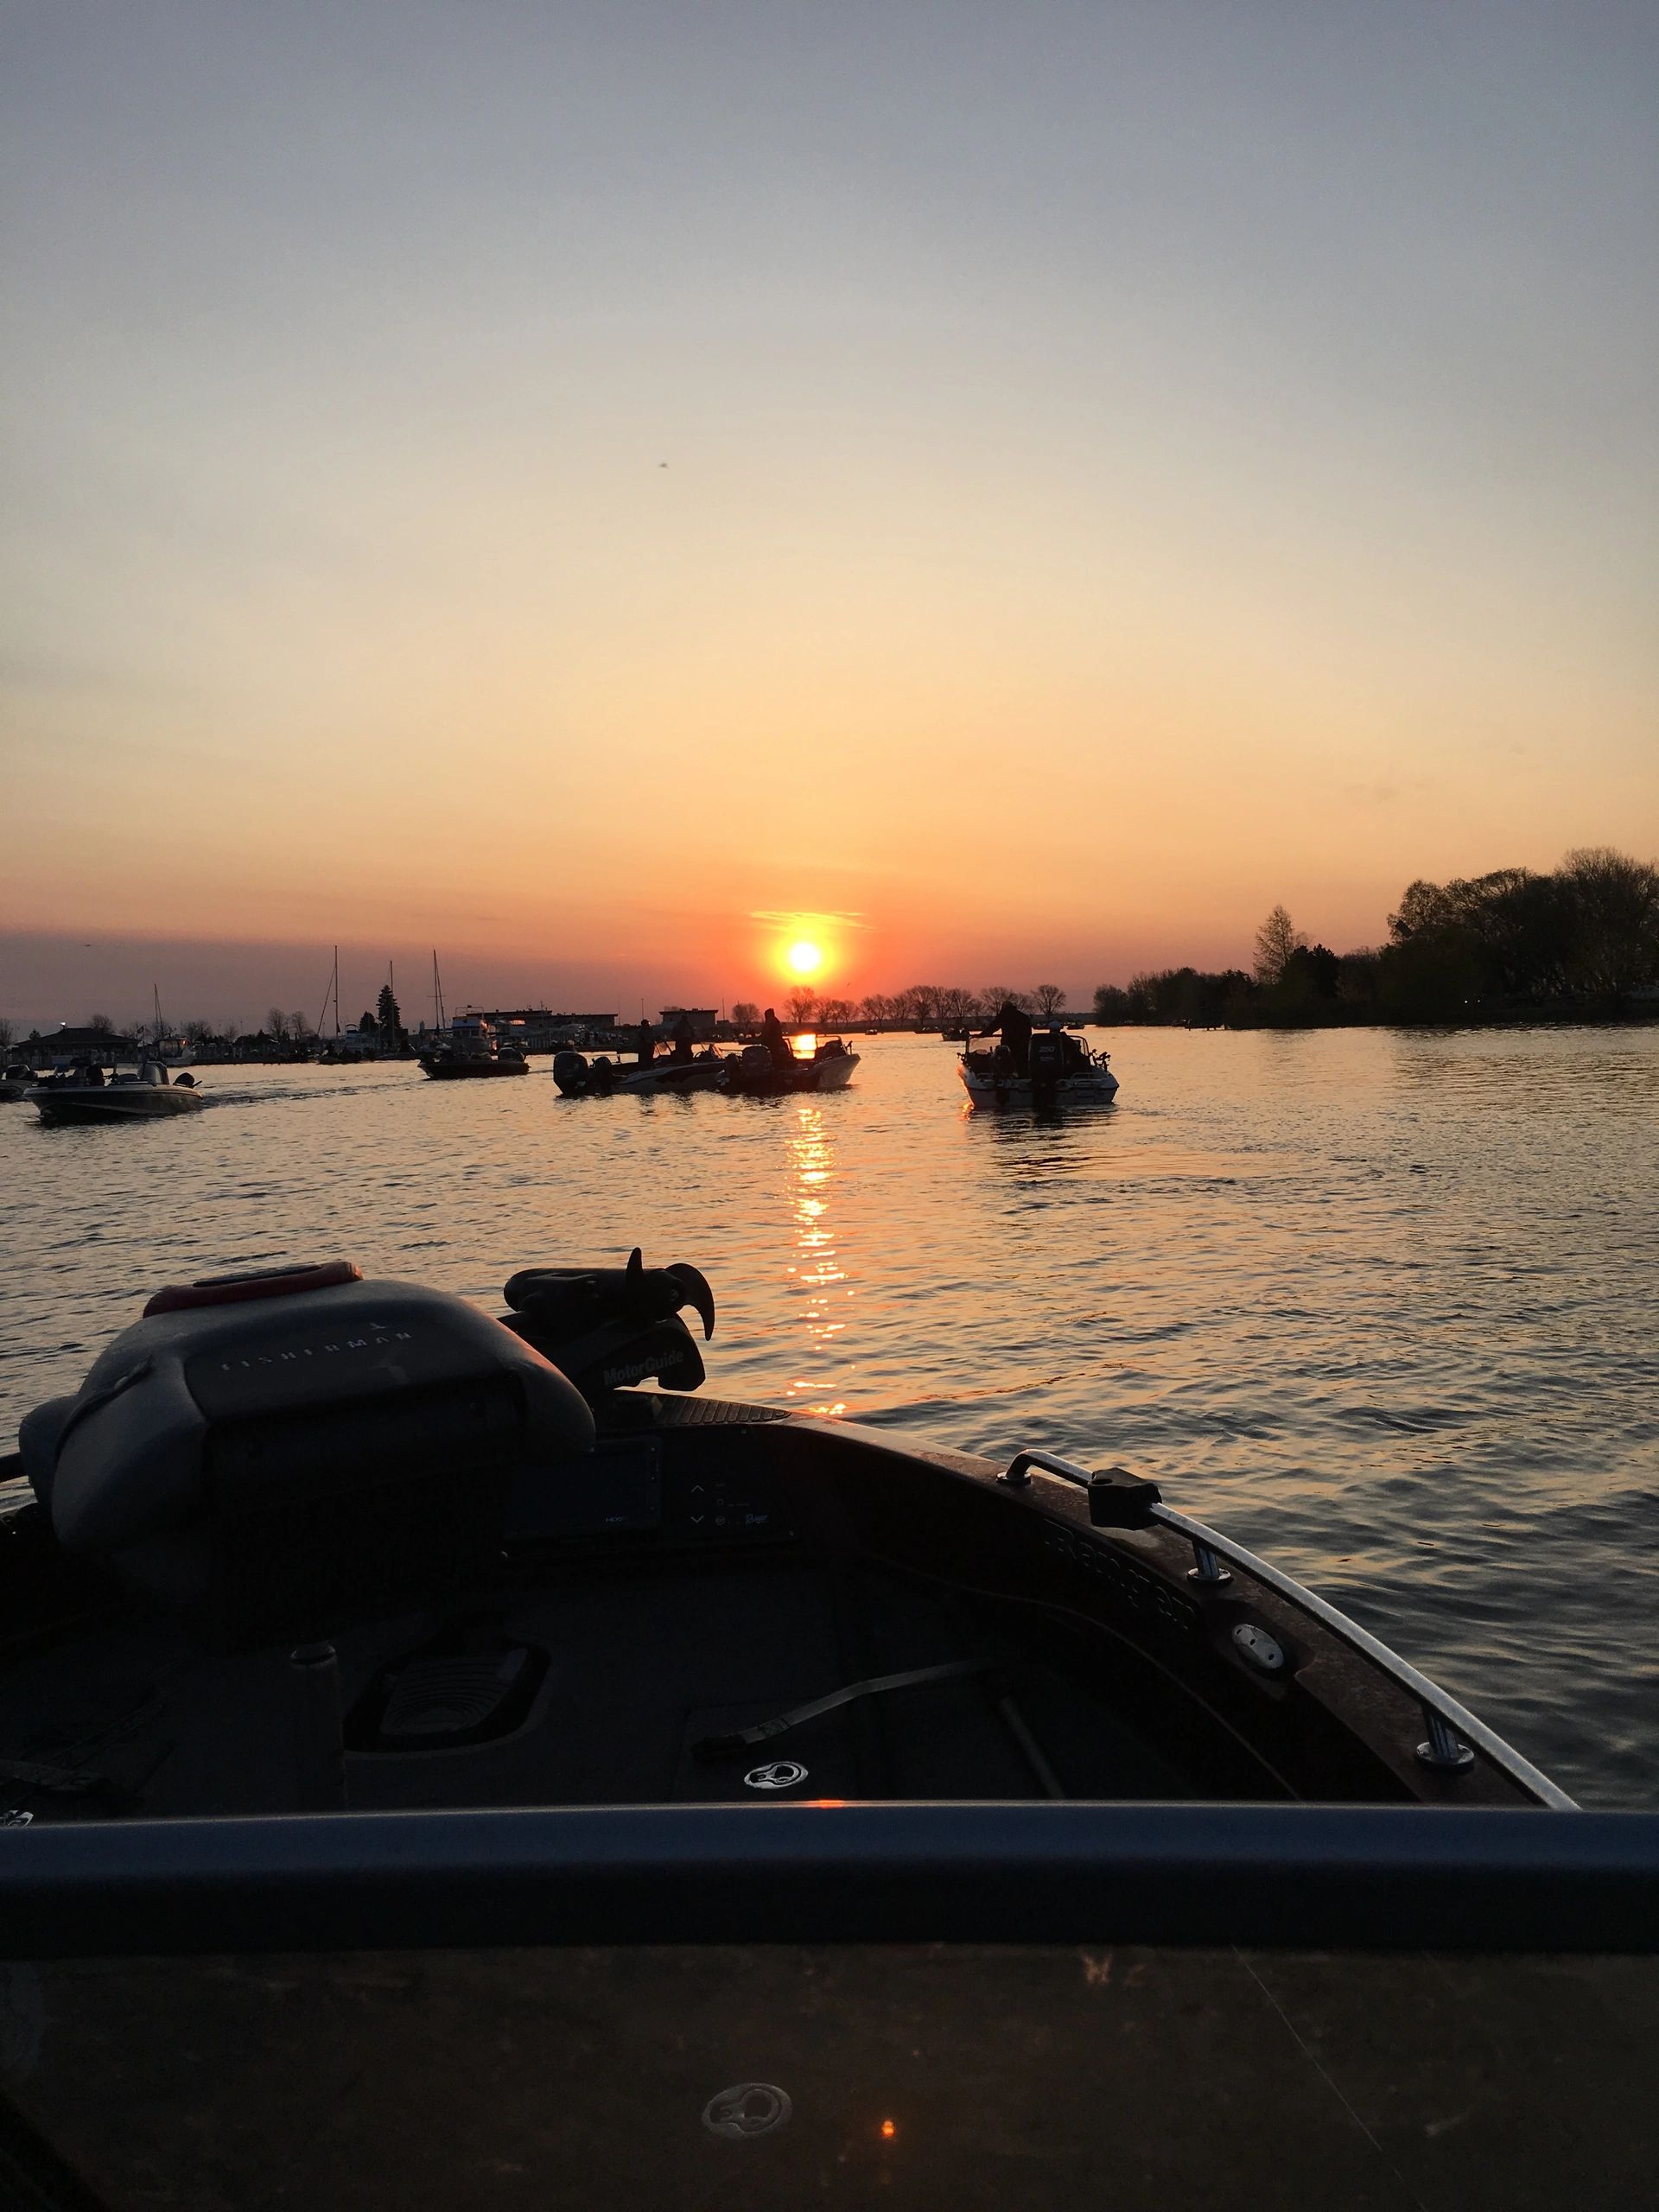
742	1740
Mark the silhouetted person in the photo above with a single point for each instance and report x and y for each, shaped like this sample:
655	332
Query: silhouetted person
681	1033
773	1037
647	1045
1013	1027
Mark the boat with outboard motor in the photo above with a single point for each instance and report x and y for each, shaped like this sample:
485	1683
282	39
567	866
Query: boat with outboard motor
753	1073
139	1092
402	1710
470	1051
1059	1069
440	1543
578	1077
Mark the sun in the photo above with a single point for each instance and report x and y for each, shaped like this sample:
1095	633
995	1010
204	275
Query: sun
804	958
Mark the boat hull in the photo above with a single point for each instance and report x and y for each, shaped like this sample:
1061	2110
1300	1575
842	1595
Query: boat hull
1092	1087
135	1102
834	1073
472	1070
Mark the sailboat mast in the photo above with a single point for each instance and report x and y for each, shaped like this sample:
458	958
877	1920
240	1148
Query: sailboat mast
437	991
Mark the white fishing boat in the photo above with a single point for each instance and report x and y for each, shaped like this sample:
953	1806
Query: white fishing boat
84	1093
1059	1069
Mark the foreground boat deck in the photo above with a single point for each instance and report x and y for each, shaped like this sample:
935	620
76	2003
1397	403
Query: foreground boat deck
1136	2078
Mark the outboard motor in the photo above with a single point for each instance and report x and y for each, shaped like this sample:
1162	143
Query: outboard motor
570	1074
609	1327
1046	1063
281	1449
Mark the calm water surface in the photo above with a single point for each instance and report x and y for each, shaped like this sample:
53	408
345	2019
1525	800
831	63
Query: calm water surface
1380	1305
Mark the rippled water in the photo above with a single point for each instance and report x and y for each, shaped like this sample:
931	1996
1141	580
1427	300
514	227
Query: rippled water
1380	1305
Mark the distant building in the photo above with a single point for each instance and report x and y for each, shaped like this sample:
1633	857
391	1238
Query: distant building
67	1043
704	1021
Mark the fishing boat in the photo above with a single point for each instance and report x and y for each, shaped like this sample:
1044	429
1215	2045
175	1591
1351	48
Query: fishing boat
1060	1070
579	1076
657	1799
752	1073
16	1080
484	1516
137	1092
471	1051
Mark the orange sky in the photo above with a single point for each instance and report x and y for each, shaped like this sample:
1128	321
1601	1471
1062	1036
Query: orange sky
1116	477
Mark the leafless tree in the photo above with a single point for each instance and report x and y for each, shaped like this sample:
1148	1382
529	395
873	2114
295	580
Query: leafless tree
101	1024
275	1023
8	1034
995	995
1276	939
1050	998
803	1009
746	1014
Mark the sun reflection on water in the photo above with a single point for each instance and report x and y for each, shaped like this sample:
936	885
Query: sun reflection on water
820	1279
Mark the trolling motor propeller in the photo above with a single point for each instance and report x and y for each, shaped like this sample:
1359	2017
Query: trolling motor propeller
609	1327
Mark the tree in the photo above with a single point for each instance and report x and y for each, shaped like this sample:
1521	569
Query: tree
995	994
1614	902
101	1024
391	1021
1050	999
746	1014
802	1008
8	1033
955	1006
835	1013
275	1023
199	1033
1276	939
1111	1003
300	1027
366	1025
1311	972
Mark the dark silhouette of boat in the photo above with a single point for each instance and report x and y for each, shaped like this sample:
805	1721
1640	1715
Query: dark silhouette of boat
140	1092
752	1073
1059	1070
472	1055
600	1076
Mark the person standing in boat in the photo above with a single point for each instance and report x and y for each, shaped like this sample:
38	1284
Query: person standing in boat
773	1037
1012	1024
681	1035
646	1042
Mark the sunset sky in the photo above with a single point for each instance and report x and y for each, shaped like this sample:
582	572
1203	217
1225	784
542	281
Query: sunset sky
1023	487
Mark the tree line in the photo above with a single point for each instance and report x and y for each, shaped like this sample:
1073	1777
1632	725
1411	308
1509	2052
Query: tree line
1582	938
923	1006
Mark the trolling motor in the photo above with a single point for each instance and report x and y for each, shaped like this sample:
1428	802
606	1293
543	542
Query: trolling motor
606	1328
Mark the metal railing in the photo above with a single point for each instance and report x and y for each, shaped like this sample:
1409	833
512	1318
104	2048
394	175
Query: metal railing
1453	1729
